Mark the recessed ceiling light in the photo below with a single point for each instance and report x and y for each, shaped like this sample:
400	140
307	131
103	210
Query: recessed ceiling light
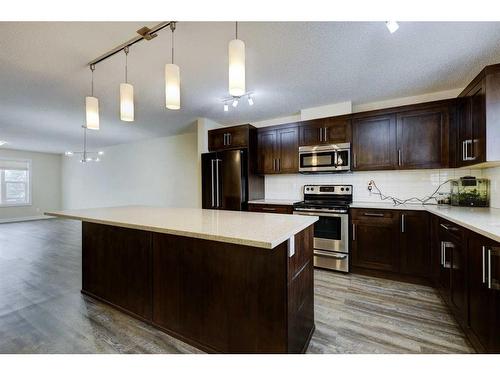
392	26
3	143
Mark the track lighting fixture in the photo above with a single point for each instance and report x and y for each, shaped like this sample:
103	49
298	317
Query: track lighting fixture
172	80
235	101
226	108
250	100
126	95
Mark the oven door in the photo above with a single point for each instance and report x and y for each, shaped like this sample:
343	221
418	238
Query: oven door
331	231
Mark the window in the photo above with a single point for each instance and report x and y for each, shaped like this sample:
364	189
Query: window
15	182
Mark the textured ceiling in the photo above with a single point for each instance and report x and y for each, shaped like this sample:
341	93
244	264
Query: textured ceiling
290	66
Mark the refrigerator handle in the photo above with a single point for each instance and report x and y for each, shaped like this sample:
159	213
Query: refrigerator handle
213	186
217	181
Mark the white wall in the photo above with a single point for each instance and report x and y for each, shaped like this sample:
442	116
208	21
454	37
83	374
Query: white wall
494	175
45	185
160	171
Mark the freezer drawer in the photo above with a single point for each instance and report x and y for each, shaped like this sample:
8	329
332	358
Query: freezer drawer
331	260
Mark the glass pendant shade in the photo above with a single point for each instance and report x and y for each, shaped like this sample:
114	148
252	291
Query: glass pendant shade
126	102
236	67
92	112
172	86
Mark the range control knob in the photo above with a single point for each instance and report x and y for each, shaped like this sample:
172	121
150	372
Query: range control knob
341	189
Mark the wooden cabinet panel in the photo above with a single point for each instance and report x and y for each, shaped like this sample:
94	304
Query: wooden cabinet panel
266	151
278	150
337	130
479	294
288	150
472	126
116	265
453	282
423	138
325	131
373	244
374	142
270	208
311	132
228	138
415	249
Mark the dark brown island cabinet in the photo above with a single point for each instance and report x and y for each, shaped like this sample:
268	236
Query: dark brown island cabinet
217	296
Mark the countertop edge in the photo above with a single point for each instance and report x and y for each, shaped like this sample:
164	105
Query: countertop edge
245	242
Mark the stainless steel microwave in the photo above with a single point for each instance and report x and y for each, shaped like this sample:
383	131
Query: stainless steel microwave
325	158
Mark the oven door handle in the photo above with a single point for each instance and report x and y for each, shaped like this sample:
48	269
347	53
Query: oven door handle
317	214
329	254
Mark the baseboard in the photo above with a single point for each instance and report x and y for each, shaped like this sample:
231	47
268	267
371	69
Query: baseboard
27	218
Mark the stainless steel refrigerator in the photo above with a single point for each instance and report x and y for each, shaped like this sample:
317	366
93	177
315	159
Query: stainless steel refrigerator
226	180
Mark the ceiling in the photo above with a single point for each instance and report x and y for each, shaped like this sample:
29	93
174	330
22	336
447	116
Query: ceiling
290	66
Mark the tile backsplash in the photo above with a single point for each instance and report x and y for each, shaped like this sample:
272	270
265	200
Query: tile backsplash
400	184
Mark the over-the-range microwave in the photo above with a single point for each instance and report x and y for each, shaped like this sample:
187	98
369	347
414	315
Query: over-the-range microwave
325	158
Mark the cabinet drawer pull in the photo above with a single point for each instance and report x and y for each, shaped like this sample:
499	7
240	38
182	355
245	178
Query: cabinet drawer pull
268	209
489	268
354	232
329	255
449	227
403	223
484	264
373	214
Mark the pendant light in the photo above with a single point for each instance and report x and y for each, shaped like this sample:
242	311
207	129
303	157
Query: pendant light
172	80
236	66
92	106
126	95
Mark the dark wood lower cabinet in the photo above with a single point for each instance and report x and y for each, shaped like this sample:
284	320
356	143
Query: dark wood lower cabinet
217	296
415	252
373	245
270	208
394	241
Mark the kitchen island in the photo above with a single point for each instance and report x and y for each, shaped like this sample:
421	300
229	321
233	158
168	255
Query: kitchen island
223	281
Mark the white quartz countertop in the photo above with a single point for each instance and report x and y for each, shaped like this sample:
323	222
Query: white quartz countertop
243	228
485	221
282	202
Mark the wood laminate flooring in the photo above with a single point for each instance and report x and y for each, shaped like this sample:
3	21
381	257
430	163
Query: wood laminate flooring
42	310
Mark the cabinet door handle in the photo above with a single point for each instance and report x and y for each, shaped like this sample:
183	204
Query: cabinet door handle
442	253
449	227
320	134
274	165
213	185
354	159
489	268
402	223
229	139
217	181
464	152
279	165
353	232
484	264
399	157
373	214
326	135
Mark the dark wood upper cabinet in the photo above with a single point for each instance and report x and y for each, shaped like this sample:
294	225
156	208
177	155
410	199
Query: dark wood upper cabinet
479	115
266	151
472	126
374	142
414	240
373	242
423	138
325	131
229	138
278	150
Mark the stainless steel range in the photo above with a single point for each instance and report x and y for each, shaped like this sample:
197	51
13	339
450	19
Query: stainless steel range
331	231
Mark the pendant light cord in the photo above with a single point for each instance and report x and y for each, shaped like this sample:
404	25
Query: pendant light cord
92	68
172	27
126	63
236	29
